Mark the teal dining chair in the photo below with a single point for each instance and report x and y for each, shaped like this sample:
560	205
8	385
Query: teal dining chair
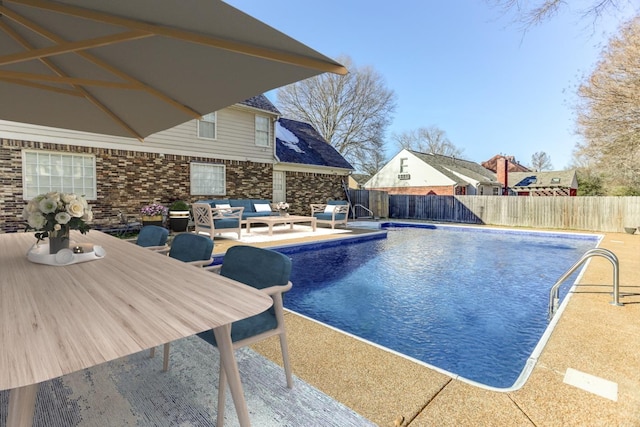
270	272
192	248
153	237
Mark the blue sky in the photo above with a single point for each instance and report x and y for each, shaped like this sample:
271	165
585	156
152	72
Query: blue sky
459	65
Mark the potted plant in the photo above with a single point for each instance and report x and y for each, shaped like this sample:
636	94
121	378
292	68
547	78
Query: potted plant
153	214
179	216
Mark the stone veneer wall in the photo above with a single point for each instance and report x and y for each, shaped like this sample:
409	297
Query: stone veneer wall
128	180
304	188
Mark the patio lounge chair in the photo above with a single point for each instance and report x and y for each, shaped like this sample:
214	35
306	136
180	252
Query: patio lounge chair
333	212
211	221
266	270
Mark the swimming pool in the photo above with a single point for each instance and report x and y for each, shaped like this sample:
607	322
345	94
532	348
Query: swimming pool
467	300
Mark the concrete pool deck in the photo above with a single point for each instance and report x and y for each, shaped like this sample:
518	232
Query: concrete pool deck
588	374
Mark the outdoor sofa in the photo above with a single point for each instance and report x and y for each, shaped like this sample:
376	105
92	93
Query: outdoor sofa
252	207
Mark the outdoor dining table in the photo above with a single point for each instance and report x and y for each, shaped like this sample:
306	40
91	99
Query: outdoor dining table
55	320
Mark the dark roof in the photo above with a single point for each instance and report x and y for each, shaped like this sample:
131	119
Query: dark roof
543	179
360	178
299	142
453	167
261	102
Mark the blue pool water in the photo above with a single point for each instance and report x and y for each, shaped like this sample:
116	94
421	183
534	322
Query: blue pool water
470	301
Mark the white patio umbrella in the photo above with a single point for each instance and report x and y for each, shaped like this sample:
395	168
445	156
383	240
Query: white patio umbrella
135	67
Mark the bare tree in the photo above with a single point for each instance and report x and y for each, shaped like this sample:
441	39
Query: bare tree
427	140
351	112
531	13
541	161
608	112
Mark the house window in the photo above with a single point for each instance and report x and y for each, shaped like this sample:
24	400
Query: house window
496	191
404	165
207	126
208	179
45	171
262	131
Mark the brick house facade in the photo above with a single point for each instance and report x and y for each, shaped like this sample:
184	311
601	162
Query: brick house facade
130	174
128	180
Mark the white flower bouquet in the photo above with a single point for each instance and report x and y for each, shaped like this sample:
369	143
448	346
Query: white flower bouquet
282	206
54	214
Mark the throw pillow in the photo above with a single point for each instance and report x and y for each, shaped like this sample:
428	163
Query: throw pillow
262	207
329	208
225	208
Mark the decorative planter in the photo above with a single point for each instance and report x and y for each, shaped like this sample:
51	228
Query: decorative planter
152	220
179	220
283	213
58	243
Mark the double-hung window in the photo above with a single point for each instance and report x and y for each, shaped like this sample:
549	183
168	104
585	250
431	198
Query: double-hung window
207	126
208	179
262	131
46	171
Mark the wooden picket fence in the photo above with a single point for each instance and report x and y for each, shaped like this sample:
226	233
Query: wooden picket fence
610	214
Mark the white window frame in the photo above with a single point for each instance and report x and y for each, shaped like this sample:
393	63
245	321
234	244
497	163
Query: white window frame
210	119
46	171
208	179
261	133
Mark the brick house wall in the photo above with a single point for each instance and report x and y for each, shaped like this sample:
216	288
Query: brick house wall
128	180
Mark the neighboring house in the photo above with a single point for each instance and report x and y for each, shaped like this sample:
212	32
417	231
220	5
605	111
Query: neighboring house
512	164
229	153
301	150
544	183
357	180
414	173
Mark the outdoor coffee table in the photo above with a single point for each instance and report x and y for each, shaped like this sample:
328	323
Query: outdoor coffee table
273	220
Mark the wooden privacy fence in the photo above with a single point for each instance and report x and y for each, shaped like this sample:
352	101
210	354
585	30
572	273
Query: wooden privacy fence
610	214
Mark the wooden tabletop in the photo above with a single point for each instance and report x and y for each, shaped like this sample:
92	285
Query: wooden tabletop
56	320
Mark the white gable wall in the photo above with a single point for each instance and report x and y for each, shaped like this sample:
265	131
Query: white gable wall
421	174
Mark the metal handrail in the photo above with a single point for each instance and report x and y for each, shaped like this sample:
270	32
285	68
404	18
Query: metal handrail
554	294
353	211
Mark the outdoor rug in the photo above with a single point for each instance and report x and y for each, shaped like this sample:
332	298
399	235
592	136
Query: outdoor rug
133	391
282	232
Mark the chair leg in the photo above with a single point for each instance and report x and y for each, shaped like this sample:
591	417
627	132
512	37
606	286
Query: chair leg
222	386
284	348
165	362
152	352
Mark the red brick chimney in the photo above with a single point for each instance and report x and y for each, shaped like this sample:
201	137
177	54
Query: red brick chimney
502	168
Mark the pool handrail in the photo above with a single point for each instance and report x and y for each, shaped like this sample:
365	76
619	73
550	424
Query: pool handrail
554	293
